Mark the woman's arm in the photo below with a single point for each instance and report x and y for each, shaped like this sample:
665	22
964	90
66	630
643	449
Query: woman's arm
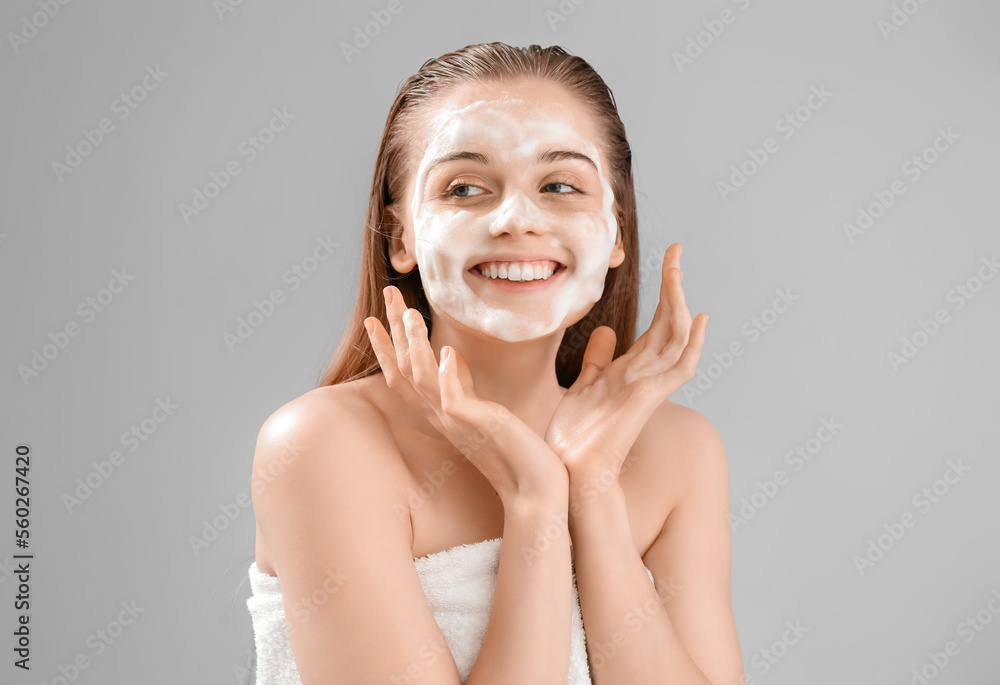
528	638
683	630
354	605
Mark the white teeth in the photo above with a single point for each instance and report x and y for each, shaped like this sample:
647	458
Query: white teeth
517	271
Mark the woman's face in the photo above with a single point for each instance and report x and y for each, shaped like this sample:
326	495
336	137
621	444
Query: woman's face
511	182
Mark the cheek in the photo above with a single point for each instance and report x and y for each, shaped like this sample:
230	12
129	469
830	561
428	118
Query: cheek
590	236
444	243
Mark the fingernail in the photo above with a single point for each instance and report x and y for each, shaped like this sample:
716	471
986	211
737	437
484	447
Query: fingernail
387	293
369	326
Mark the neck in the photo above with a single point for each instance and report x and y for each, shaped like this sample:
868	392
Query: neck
521	376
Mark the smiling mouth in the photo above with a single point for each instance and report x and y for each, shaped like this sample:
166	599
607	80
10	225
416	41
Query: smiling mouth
519	272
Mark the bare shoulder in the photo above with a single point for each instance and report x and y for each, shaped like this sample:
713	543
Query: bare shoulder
691	442
316	443
677	454
339	414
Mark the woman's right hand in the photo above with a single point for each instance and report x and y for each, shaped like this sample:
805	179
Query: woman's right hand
513	458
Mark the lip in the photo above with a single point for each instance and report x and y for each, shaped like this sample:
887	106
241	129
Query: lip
522	286
518	257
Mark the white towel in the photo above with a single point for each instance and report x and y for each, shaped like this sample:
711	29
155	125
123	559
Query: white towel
458	583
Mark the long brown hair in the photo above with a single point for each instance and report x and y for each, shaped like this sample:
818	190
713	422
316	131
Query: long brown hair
354	358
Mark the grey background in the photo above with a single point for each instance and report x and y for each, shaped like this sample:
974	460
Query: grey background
826	356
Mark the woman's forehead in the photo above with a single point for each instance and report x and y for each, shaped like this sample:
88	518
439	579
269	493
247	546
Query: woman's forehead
527	112
513	127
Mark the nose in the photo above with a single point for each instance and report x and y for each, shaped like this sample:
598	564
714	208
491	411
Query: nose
516	215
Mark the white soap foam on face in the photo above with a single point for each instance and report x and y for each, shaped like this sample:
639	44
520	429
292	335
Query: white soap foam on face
513	132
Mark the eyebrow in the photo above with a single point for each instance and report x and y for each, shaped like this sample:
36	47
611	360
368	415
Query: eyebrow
547	156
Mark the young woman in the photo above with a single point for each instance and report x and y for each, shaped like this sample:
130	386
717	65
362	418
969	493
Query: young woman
491	457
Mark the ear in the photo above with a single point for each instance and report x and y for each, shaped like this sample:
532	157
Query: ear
403	260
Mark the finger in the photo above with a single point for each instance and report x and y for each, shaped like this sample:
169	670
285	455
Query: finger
464	373
394	313
670	275
423	365
382	346
680	323
452	394
599	353
687	364
654	337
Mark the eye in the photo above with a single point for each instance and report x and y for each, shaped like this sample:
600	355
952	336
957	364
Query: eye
571	188
463	190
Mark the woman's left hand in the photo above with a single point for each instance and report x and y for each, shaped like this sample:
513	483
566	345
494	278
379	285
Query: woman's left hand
603	412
